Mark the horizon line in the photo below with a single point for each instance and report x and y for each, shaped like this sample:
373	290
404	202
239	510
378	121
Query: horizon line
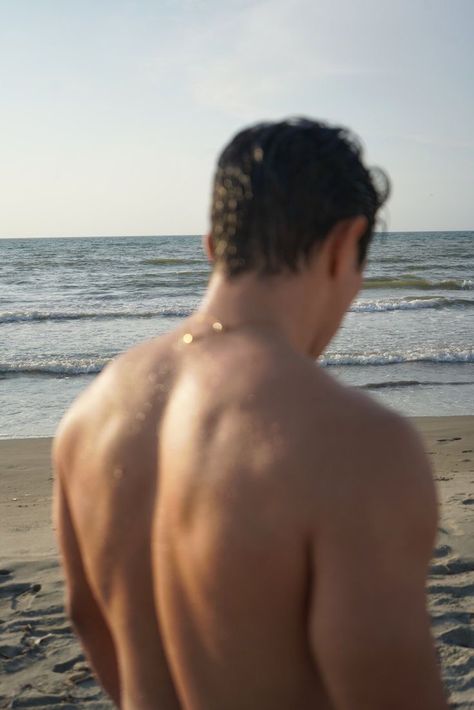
202	234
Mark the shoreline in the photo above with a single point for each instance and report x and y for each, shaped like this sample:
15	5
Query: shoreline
41	663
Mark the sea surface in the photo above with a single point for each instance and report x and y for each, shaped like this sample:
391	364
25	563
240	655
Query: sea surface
67	306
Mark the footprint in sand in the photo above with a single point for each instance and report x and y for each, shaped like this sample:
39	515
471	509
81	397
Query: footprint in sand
10	651
448	581
82	676
21	594
76	671
458	566
68	665
444	563
41	701
9	590
442	551
459	636
454	566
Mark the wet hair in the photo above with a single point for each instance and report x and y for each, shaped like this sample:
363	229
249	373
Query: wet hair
279	188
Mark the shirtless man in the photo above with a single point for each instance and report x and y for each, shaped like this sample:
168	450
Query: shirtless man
238	530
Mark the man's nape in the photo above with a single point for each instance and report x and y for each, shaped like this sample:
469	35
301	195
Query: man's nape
305	306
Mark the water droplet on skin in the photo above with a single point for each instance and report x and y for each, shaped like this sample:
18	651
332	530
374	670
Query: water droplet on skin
217	326
187	338
118	474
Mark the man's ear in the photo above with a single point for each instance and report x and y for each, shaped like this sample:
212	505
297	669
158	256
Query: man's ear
208	245
344	244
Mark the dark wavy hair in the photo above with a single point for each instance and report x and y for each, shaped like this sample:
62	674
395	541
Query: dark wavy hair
280	187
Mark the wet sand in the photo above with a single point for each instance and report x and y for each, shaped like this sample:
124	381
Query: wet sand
41	663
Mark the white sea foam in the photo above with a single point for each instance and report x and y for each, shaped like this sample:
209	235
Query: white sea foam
94	364
409	304
407	281
182	311
31	316
53	366
453	355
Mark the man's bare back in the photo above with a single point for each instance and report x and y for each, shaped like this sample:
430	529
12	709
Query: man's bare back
200	503
240	531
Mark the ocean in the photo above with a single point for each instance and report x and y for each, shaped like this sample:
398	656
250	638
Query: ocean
67	306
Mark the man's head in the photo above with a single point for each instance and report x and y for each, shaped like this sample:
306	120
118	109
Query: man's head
279	191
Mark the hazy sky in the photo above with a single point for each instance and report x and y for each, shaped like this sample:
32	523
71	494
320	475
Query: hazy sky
112	112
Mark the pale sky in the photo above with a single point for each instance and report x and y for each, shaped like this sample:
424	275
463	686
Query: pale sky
112	112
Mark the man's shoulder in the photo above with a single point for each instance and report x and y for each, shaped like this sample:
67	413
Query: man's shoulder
111	398
356	416
324	418
298	390
317	399
368	459
373	435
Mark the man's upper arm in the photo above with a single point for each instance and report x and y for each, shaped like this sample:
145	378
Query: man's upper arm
369	627
80	598
78	592
82	605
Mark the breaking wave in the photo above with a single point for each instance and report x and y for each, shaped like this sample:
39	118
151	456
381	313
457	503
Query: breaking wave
396	384
387	358
182	311
412	281
57	367
39	316
410	303
90	365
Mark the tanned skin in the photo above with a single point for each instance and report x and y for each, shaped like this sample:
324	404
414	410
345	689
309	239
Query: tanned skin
237	529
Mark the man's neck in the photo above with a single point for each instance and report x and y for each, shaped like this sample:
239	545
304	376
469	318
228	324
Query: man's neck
284	305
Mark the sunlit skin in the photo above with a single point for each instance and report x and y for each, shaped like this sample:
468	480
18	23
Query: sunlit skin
237	529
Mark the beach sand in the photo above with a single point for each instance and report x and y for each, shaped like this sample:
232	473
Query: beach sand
41	663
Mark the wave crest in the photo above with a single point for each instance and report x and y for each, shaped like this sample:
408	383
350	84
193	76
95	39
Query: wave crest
183	311
40	316
408	304
93	364
74	366
411	281
396	384
387	358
